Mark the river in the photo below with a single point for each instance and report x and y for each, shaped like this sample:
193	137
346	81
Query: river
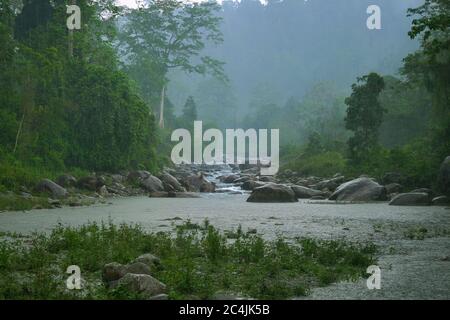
410	268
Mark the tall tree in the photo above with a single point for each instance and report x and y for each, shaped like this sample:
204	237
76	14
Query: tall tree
190	110
364	116
168	34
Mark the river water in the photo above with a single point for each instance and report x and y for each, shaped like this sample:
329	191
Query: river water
410	268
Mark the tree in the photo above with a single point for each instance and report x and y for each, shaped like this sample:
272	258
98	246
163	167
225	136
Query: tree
364	116
190	110
431	66
58	112
168	34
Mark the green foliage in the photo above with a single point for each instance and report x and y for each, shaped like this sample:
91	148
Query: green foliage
364	116
164	35
189	112
195	262
60	111
324	164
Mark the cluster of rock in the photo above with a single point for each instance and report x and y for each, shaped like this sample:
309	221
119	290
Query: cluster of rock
289	186
183	181
136	277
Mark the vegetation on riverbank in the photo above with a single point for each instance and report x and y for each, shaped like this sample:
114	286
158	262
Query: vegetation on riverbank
395	124
197	261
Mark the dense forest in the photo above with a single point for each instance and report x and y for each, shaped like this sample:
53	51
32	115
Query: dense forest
106	97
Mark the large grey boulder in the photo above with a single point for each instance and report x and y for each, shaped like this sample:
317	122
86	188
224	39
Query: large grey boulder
198	183
411	199
251	185
273	193
142	284
152	184
444	176
305	193
54	189
169	180
361	189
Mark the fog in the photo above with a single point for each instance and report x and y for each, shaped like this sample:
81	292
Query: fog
285	48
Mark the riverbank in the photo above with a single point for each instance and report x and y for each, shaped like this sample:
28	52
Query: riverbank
198	262
413	242
191	180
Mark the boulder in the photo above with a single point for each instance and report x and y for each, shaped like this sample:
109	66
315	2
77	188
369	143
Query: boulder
66	181
273	193
142	284
149	259
152	184
361	189
113	271
243	179
267	179
229	179
444	177
423	190
251	185
411	199
170	182
393	188
54	189
198	183
330	184
441	201
91	183
305	193
138	175
138	268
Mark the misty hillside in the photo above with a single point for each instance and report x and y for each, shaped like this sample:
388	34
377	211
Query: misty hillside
286	47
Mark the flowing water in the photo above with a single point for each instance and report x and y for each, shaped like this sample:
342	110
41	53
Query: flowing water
410	268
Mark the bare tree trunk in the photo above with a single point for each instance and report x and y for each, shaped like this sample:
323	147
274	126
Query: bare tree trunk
161	109
19	131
